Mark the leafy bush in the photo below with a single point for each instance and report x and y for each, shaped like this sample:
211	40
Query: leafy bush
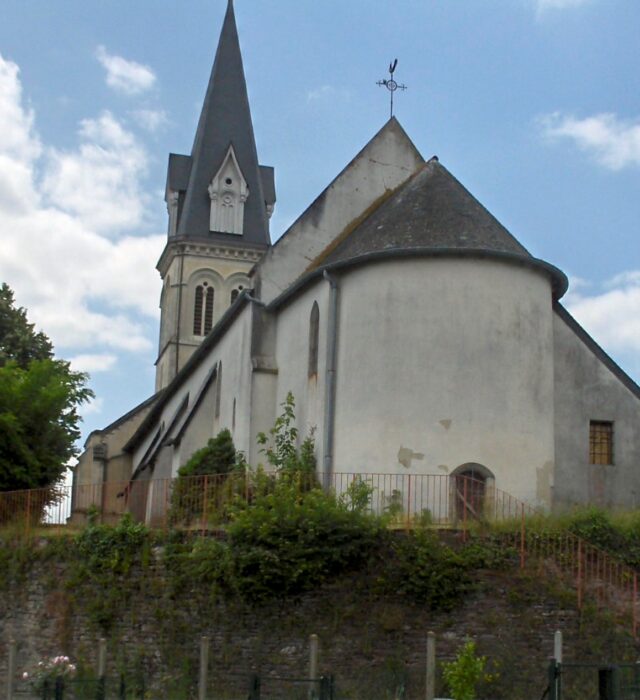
208	481
288	540
280	446
463	675
426	570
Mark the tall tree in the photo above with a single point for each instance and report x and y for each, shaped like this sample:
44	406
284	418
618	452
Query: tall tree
18	339
39	401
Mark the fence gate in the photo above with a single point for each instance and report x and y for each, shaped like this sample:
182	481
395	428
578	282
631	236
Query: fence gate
578	681
277	687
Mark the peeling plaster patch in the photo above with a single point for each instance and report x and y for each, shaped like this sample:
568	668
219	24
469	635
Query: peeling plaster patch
543	483
446	423
444	468
406	454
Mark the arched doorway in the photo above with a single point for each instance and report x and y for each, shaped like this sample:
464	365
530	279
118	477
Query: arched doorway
471	484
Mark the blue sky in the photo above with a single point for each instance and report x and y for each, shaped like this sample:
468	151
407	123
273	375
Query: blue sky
534	105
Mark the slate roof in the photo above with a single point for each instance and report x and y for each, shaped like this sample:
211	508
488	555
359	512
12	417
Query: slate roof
432	210
225	119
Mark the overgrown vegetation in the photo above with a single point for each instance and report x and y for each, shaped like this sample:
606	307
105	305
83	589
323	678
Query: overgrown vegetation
208	480
39	401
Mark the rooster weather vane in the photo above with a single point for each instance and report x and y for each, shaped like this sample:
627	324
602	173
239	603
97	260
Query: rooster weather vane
391	84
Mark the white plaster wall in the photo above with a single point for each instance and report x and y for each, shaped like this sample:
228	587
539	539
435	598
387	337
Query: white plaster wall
586	389
233	351
451	359
387	161
292	358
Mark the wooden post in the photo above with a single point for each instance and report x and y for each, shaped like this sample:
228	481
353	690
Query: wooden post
313	665
204	668
431	666
11	668
102	657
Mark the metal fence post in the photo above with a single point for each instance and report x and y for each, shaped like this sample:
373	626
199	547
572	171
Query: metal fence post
11	668
431	666
553	675
254	688
579	583
204	668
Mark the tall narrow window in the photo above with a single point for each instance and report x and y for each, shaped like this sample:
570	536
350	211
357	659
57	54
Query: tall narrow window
203	309
314	331
197	310
208	311
600	442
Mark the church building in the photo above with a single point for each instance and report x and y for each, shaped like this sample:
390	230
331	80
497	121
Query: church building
417	335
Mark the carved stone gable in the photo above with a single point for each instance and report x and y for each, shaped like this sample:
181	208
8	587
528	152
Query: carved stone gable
228	192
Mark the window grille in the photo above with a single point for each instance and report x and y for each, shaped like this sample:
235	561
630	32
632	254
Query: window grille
600	442
197	310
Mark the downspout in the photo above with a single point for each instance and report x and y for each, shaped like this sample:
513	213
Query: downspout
330	379
179	319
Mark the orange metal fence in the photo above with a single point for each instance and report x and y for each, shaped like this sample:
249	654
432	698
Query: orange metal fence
202	503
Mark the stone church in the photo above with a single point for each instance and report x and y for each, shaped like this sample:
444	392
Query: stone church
417	335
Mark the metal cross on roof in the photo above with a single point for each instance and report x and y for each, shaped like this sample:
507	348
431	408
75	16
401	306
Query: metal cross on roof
391	84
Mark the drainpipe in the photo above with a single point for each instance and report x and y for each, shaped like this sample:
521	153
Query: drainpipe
330	379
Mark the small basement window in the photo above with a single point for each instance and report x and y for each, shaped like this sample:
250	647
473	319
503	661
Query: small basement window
600	442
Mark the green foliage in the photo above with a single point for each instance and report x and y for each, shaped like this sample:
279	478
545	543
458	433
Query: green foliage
39	398
18	340
357	496
280	446
290	540
38	422
217	457
426	570
208	481
463	675
103	558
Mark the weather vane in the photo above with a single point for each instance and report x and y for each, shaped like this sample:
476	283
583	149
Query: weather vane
391	84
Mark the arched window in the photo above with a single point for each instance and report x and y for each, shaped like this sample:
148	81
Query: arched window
203	309
314	330
235	293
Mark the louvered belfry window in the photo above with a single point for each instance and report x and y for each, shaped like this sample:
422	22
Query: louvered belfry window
203	309
600	442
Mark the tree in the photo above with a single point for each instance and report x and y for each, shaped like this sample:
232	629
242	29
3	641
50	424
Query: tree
39	401
18	340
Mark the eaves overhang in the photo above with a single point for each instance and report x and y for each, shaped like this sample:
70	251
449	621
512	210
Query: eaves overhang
559	281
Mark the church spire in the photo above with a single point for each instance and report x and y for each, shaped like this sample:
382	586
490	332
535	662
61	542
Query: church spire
226	191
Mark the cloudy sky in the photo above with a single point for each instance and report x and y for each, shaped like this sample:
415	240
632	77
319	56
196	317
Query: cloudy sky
533	104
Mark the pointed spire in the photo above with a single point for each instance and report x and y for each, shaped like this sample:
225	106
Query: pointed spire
225	121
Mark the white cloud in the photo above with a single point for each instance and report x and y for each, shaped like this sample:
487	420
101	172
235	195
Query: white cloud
93	407
85	290
613	142
124	76
612	316
327	92
100	182
151	119
559	4
93	363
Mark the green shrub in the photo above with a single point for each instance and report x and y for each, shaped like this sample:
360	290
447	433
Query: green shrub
463	675
289	540
426	570
207	482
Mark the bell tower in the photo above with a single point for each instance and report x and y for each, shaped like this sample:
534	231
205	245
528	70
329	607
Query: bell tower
219	200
